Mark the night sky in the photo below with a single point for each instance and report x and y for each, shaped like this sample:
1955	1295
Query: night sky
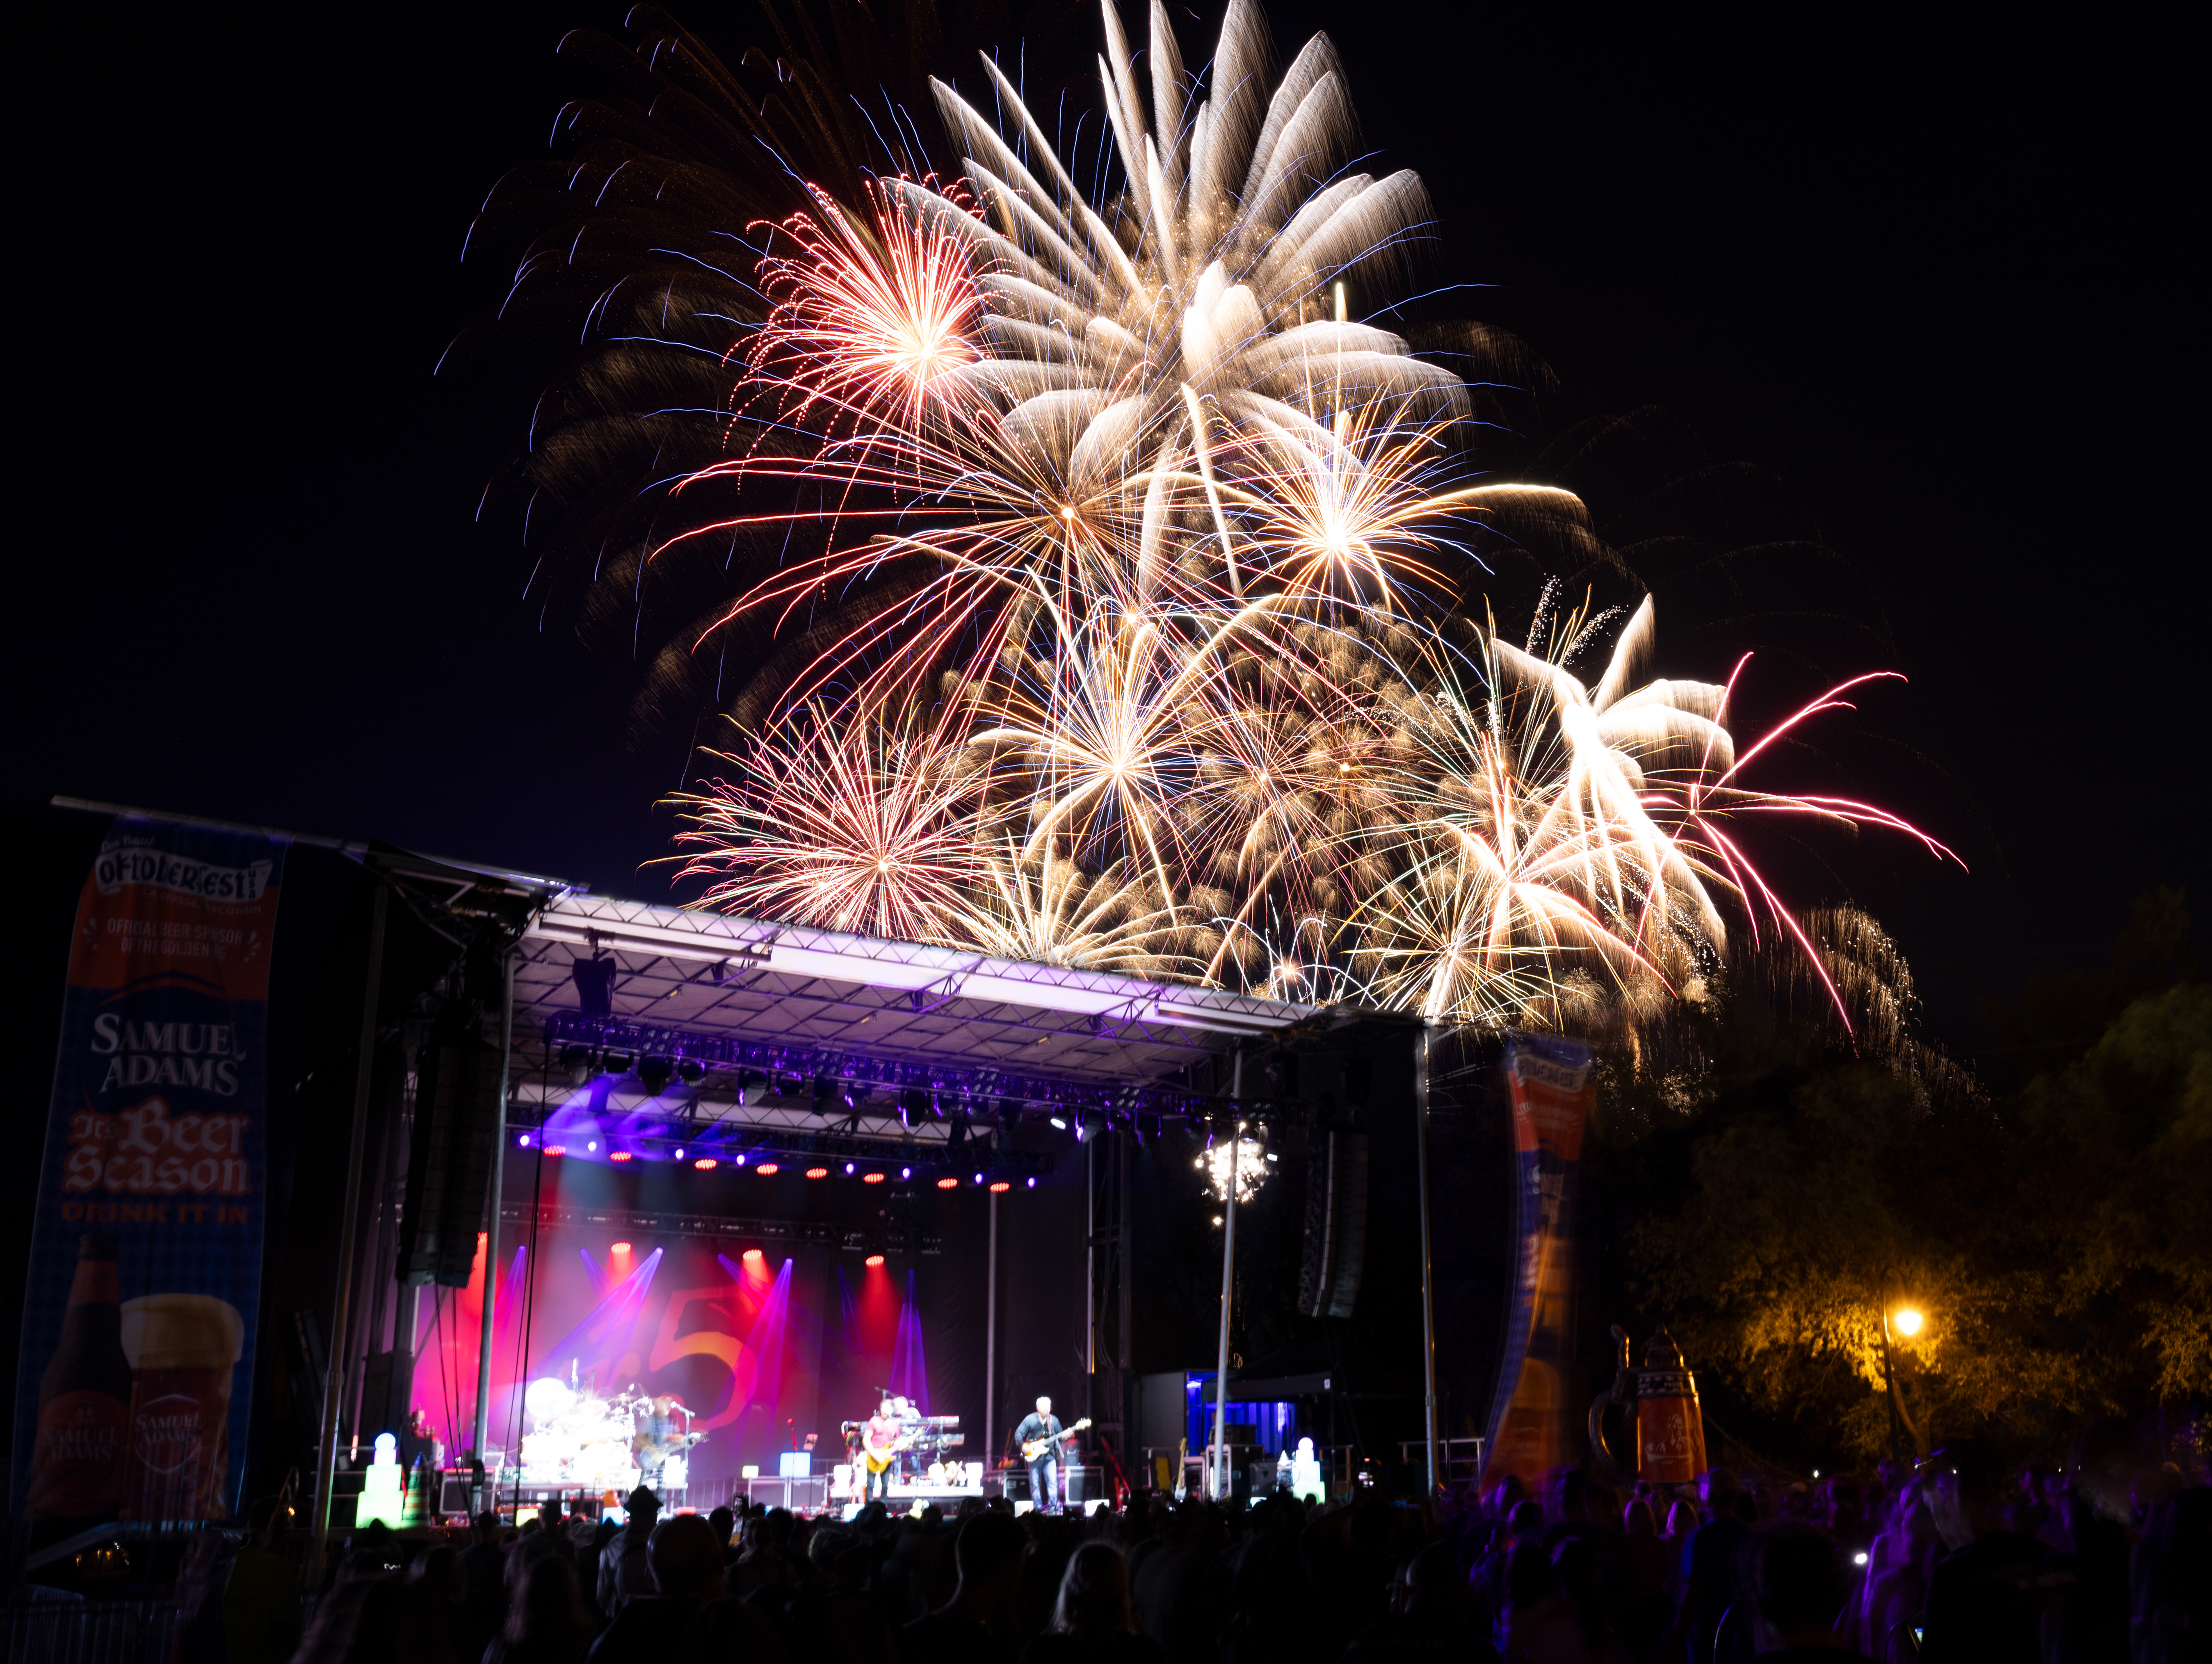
1928	274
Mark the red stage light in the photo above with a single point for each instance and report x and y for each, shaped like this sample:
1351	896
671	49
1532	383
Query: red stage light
706	1163
997	1185
872	1178
618	1156
948	1182
556	1148
621	1247
755	1257
766	1169
874	1259
817	1172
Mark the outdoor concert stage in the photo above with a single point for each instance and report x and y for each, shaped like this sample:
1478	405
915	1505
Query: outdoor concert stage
758	1176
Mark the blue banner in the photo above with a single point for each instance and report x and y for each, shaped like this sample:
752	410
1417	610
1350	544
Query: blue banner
134	1392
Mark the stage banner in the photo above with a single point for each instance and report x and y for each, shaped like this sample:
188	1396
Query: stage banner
133	1393
1535	1423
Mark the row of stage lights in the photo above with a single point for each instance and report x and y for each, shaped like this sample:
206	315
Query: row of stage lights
755	1260
769	1168
829	1095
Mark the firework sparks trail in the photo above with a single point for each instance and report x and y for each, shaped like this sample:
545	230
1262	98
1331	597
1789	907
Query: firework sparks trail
1180	684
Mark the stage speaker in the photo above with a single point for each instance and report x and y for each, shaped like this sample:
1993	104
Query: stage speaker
449	1159
1336	1224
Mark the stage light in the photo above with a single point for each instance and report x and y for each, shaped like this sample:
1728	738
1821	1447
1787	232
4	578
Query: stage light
679	1153
577	1061
848	1167
524	1140
817	1172
750	1081
556	1148
911	1104
873	1260
979	1178
691	1071
948	1182
766	1169
999	1186
872	1178
1086	1123
592	1147
620	1248
618	1155
653	1073
706	1163
906	1173
1033	1181
741	1161
615	1063
1273	1156
755	1257
1059	1122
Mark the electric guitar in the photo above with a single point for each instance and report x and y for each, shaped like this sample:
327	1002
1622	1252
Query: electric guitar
1032	1448
878	1456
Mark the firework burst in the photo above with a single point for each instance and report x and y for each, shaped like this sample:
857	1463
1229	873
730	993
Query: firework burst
1177	681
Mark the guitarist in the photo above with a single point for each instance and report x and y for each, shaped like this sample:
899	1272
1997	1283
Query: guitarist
1039	1436
879	1441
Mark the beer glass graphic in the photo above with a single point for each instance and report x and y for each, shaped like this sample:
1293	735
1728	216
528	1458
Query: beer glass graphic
183	1350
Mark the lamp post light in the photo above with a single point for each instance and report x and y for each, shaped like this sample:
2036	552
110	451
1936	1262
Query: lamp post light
1908	1321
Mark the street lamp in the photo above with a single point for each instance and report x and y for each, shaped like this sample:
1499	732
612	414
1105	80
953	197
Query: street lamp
1907	1321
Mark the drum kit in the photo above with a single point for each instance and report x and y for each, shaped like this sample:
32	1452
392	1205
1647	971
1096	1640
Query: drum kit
577	1439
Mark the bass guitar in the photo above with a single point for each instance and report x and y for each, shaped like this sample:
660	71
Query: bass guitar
1032	1448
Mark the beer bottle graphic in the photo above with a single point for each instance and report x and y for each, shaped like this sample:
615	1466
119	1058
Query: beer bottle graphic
84	1396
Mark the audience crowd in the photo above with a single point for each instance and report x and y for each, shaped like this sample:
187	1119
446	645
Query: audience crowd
1956	1561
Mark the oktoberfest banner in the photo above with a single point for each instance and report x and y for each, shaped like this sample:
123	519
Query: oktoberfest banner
1535	1424
131	1401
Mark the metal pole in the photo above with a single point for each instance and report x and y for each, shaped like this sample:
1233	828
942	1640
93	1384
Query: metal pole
334	1376
1428	1262
1888	1383
491	1208
990	1337
1218	1470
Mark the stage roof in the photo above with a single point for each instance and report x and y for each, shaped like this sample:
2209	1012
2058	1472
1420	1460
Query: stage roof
790	1001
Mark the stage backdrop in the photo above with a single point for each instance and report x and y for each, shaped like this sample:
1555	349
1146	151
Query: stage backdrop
765	1339
134	1380
1534	1423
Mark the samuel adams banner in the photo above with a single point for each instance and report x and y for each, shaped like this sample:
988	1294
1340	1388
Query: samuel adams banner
1534	1422
146	1264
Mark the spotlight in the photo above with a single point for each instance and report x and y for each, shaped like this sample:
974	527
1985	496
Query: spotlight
750	1081
906	1173
872	1178
948	1182
910	1104
1033	1181
755	1257
524	1140
825	1093
592	1147
979	1178
849	1169
615	1063
691	1071
680	1152
618	1155
741	1161
1086	1123
653	1074
999	1187
1059	1121
577	1061
620	1248
706	1163
768	1170
556	1148
873	1260
817	1172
